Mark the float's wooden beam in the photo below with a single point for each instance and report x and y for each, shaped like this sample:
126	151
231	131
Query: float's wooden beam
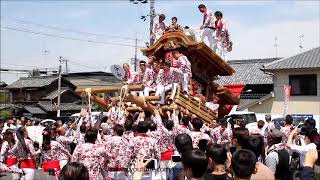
140	102
106	89
133	108
100	101
146	98
137	108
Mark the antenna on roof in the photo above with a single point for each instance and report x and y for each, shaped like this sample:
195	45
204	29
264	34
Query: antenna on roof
300	42
276	45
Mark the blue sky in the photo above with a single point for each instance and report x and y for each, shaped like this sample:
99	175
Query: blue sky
253	26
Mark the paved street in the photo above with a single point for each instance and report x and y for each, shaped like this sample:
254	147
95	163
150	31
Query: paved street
39	175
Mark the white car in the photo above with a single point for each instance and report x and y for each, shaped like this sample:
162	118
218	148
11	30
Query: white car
95	115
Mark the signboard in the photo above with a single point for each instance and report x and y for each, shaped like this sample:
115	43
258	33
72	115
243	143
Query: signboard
302	115
286	89
35	133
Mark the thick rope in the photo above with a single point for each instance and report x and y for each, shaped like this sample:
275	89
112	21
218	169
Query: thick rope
88	91
124	92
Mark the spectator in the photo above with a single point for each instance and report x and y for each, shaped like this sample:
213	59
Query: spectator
74	171
195	163
307	172
238	138
310	122
311	136
255	143
277	156
217	155
269	124
287	128
183	143
243	164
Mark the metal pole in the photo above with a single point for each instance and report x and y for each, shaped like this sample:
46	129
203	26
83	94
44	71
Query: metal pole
152	16
59	88
66	66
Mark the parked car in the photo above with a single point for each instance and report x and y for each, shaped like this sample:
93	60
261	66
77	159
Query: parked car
248	118
95	116
278	122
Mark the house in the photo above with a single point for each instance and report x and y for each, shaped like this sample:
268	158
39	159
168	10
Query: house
37	96
302	73
258	84
4	93
30	90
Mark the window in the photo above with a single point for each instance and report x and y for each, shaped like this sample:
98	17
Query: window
303	84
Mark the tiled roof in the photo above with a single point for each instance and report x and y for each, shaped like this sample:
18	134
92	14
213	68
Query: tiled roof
31	82
34	110
48	106
3	84
252	96
308	59
55	93
246	103
248	72
92	79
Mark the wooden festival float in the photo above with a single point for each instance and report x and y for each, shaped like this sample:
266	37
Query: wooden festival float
206	67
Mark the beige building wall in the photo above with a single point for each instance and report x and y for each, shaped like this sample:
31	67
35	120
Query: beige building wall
297	104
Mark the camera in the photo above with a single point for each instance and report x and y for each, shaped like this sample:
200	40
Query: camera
175	158
152	164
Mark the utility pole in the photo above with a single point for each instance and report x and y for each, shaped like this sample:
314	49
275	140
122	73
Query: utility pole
59	87
45	57
300	42
152	16
276	46
66	61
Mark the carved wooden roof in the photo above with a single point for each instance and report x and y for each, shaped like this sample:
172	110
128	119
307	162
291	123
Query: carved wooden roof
225	95
205	63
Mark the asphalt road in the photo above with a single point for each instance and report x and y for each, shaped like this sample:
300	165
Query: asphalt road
39	175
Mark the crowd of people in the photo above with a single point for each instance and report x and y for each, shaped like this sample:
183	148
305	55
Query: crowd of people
160	145
214	29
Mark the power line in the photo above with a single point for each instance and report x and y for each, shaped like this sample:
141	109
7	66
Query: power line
65	37
89	67
69	30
